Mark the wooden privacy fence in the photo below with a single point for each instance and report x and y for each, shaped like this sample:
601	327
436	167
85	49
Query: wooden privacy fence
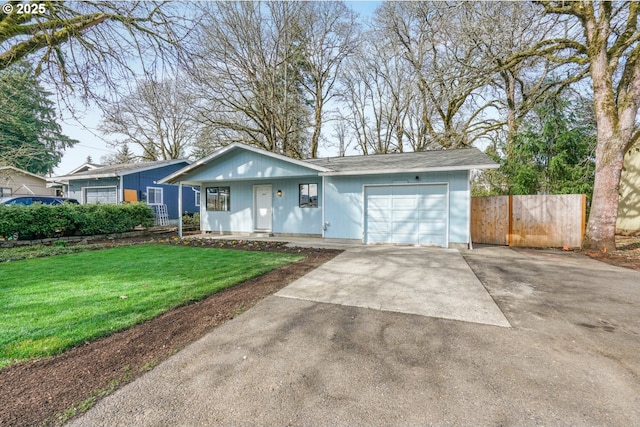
541	221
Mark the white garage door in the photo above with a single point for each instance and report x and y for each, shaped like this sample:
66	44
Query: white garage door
105	195
406	214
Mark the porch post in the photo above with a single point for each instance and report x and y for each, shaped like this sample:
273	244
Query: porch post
180	209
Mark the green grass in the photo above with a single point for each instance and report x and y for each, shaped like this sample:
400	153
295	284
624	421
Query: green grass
51	304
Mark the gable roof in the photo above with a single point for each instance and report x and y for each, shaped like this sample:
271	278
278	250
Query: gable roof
421	161
117	170
84	167
173	178
22	171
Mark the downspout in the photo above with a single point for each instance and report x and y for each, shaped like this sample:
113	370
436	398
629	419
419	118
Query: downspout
470	243
324	225
180	209
121	190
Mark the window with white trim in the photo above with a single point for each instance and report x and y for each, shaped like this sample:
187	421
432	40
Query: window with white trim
5	192
197	196
218	198
308	195
154	196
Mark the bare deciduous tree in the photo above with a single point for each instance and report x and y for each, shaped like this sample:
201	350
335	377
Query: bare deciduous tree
249	70
330	36
158	118
92	47
606	43
448	109
268	71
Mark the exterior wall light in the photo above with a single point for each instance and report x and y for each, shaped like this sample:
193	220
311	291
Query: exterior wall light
279	193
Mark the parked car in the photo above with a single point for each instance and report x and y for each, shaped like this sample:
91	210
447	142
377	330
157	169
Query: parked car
29	200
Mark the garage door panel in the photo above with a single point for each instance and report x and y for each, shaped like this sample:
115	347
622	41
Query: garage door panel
435	201
381	210
404	239
432	215
404	203
406	214
380	215
378	202
406	227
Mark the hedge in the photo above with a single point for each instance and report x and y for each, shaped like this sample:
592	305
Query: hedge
40	221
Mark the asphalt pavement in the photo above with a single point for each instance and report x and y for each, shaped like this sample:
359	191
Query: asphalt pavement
567	352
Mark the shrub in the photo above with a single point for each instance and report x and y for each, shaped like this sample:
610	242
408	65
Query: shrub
191	222
44	221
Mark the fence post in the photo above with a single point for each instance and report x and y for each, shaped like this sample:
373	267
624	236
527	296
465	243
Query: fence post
584	217
510	219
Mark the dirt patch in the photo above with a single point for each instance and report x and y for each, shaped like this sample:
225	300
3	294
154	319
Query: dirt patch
49	391
627	253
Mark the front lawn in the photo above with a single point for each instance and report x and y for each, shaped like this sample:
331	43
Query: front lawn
52	304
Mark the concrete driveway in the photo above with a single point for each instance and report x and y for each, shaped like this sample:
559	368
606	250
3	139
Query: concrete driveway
570	357
402	279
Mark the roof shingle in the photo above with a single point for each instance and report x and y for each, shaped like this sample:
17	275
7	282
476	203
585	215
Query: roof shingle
463	158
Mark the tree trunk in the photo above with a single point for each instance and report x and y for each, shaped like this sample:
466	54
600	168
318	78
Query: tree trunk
317	116
601	228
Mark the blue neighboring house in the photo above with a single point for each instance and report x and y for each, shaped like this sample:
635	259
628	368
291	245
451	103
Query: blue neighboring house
130	182
418	198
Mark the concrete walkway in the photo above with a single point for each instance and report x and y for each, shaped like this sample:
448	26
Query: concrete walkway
424	281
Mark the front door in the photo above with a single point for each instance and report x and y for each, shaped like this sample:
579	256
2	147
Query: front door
262	199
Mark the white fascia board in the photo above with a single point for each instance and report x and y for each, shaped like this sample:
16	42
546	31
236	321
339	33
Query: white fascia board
413	170
236	145
90	166
77	177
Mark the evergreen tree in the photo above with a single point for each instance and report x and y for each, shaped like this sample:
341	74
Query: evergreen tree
30	137
554	153
125	155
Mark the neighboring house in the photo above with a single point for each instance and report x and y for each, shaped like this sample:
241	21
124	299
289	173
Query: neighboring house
84	168
18	182
420	198
131	182
62	188
629	207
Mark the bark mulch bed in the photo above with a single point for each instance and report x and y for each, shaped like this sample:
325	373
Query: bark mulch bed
52	390
627	253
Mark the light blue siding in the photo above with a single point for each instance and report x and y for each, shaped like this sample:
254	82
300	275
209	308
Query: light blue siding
241	164
288	217
344	200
